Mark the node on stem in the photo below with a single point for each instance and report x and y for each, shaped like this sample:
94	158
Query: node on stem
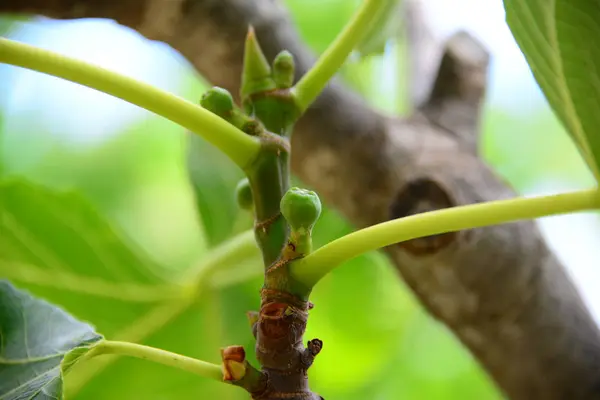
265	91
233	358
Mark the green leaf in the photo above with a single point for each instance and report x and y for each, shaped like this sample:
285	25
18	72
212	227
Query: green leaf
558	38
59	248
329	16
8	23
2	162
40	342
58	241
386	27
578	32
213	177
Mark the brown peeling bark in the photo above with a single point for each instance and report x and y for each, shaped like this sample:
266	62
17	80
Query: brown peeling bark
500	289
280	349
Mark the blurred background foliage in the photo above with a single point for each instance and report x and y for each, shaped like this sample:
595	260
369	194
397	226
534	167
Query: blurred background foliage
132	167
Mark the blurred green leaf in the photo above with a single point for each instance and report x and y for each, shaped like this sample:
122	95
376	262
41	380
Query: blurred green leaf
2	167
9	21
319	22
134	178
329	16
362	304
5	25
541	142
360	314
214	178
58	240
558	39
36	337
59	248
386	26
434	365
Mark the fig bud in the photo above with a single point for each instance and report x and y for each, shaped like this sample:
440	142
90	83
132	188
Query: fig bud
283	70
218	101
243	194
301	208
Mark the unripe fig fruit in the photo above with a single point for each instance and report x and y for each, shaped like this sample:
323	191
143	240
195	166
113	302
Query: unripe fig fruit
301	208
218	101
243	194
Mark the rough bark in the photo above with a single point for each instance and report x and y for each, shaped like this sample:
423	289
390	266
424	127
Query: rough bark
500	289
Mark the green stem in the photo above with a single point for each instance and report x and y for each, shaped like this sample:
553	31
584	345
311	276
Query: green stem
312	83
241	148
313	267
268	184
198	367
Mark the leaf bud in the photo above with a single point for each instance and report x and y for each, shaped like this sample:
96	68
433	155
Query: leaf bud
283	69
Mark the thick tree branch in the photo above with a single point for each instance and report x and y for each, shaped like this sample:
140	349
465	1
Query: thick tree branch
447	83
424	51
500	289
455	100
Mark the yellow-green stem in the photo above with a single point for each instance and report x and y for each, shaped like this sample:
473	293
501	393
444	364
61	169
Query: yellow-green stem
198	367
311	269
241	148
312	83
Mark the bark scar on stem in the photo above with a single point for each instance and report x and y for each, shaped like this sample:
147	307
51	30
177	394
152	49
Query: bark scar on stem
313	348
263	225
286	297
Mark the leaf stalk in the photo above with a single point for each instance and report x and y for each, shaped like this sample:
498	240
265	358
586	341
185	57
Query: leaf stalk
317	264
238	146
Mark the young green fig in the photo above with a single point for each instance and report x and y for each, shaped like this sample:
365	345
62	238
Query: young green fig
301	208
218	101
243	194
283	70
